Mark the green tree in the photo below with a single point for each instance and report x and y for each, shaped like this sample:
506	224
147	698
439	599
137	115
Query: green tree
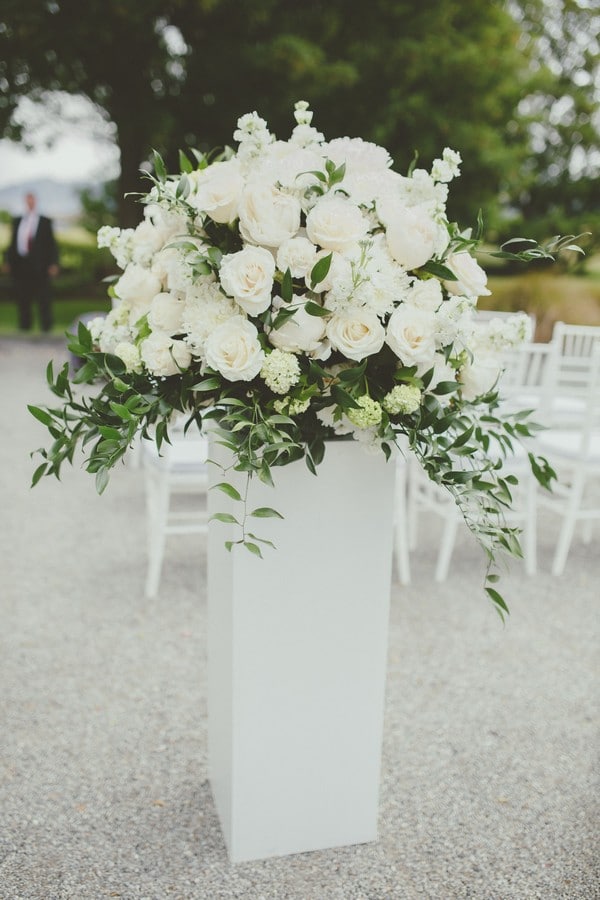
173	74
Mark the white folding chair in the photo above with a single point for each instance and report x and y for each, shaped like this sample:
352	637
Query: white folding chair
179	469
426	496
570	371
574	452
526	379
401	524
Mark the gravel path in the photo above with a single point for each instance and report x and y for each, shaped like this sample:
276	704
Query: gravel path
491	738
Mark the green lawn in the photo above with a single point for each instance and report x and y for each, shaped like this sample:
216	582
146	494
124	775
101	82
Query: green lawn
65	313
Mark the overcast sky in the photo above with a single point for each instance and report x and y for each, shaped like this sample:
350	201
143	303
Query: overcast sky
70	159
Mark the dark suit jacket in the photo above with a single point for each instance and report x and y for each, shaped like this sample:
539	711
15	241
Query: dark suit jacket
43	254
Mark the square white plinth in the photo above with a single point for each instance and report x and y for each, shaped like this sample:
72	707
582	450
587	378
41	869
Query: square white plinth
297	647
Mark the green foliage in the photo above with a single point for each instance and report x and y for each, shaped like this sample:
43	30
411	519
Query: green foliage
490	79
460	445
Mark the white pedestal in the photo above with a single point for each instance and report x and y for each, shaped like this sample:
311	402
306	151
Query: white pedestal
297	646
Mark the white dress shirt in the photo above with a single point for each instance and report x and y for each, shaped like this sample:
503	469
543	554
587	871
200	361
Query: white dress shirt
28	227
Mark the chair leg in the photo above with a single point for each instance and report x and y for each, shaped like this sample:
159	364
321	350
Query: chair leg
158	511
530	526
446	546
568	527
401	525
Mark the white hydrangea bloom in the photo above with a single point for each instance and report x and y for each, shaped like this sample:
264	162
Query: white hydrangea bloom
130	355
280	371
448	167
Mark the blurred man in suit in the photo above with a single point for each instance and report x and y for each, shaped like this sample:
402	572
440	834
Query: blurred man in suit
32	259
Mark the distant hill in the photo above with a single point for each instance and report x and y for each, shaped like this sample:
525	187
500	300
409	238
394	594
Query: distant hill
57	199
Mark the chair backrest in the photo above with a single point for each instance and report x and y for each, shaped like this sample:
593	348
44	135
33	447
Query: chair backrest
574	347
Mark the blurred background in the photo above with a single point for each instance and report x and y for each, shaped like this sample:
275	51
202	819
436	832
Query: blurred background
88	90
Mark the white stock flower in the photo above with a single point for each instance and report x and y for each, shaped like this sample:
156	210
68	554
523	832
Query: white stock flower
163	355
356	333
298	255
233	349
472	279
412	236
268	216
165	313
335	223
247	276
410	334
217	190
205	307
301	333
119	241
448	167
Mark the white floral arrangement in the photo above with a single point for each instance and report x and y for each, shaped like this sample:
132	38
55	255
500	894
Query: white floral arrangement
295	292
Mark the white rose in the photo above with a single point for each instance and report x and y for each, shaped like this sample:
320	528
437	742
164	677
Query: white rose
163	355
165	313
233	349
301	333
338	276
412	236
472	279
218	190
336	224
410	334
267	215
426	294
356	333
137	285
298	255
479	376
247	276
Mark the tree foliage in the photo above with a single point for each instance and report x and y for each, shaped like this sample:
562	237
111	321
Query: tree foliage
489	79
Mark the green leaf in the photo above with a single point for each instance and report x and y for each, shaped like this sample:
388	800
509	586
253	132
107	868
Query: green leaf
439	270
41	415
343	398
208	384
159	166
102	478
228	489
497	598
313	309
227	518
253	548
287	288
320	269
39	472
184	164
265	512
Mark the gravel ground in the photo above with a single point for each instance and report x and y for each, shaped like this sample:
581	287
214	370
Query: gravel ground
491	735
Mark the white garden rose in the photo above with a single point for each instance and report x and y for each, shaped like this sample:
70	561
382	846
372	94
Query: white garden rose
137	285
247	276
336	224
268	216
472	280
217	190
410	334
425	294
478	376
412	236
301	333
165	313
163	355
356	333
233	349
298	255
